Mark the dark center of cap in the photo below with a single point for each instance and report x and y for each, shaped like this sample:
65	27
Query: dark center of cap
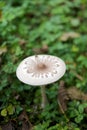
41	66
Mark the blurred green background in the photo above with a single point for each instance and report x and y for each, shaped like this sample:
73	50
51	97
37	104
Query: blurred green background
56	27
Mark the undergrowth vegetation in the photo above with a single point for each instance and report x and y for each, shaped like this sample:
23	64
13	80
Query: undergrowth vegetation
56	27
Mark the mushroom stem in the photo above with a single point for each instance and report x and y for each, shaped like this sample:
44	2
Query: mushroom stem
44	97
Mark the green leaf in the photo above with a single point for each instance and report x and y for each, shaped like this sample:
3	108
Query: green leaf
74	113
10	109
18	109
9	68
79	118
75	22
18	51
4	112
74	48
76	129
2	4
81	109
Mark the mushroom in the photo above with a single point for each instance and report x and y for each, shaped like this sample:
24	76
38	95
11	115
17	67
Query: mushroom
40	70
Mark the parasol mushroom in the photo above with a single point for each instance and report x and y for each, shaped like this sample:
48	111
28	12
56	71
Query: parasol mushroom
40	70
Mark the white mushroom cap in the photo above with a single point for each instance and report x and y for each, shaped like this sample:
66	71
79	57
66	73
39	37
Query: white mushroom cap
40	70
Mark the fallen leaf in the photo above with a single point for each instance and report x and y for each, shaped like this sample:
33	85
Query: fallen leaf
75	93
22	42
44	49
8	126
26	124
62	97
77	75
74	35
68	35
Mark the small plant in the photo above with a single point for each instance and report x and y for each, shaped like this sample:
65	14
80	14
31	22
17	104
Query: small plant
77	111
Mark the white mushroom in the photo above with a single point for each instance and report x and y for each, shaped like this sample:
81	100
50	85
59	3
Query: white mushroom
40	70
